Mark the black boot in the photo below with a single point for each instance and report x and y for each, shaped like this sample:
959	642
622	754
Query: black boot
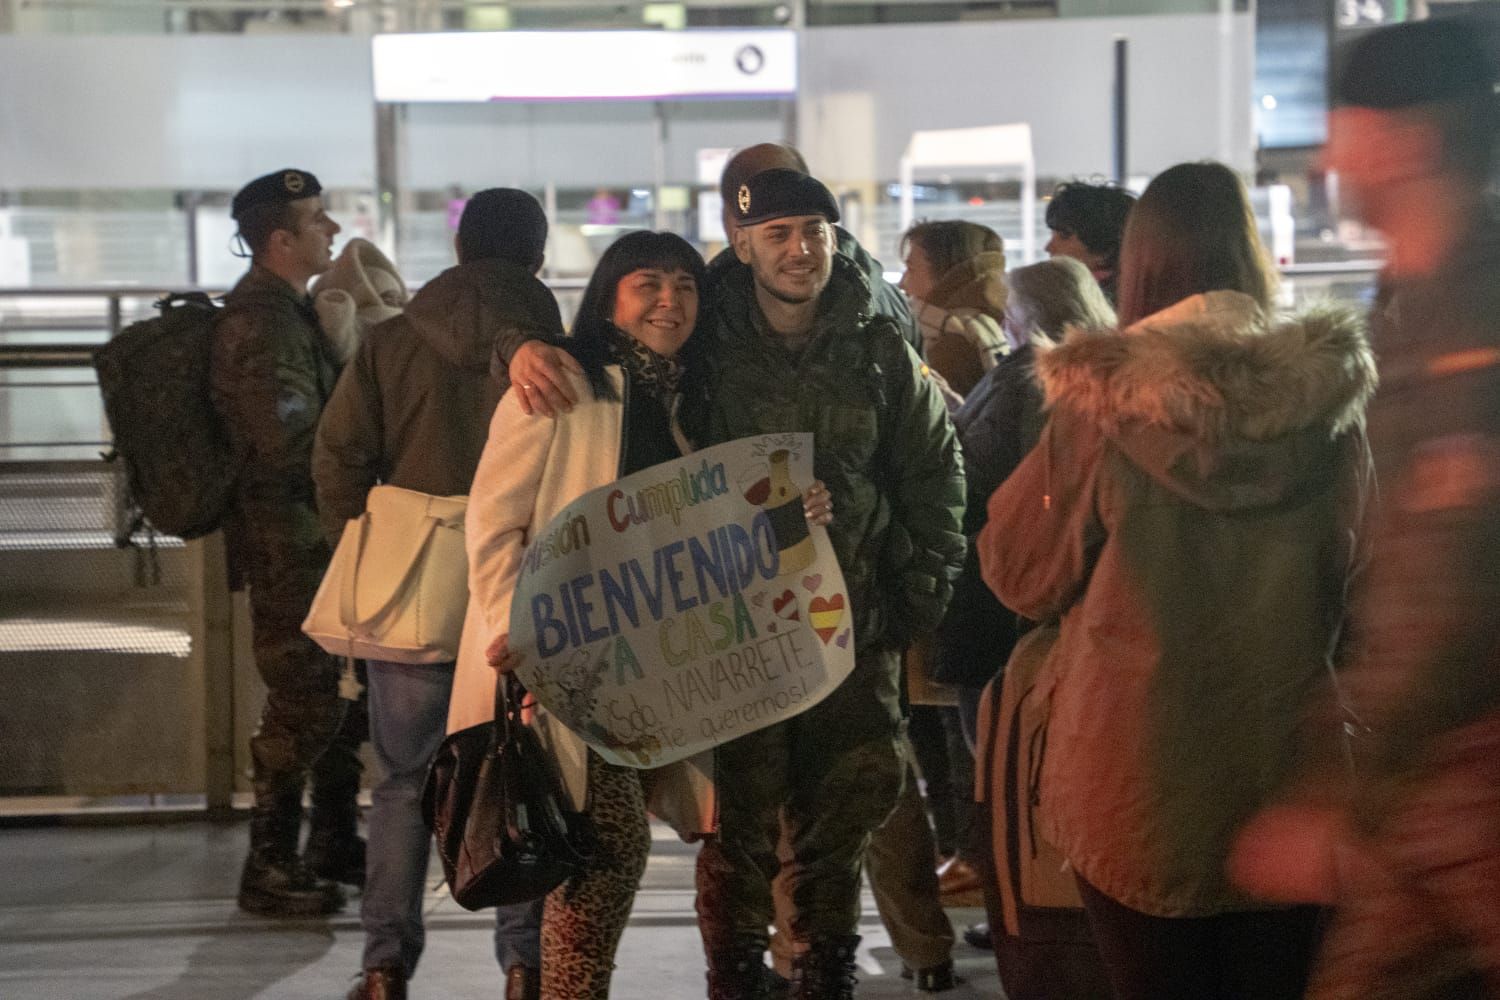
826	970
335	850
738	974
274	882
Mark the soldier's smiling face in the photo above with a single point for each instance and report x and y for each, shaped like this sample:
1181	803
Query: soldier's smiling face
791	257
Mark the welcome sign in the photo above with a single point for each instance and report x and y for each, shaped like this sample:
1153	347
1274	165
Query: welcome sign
684	605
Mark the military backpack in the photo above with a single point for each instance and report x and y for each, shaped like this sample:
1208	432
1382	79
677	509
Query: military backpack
154	377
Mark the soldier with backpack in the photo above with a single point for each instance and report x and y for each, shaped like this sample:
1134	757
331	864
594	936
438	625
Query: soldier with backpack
271	372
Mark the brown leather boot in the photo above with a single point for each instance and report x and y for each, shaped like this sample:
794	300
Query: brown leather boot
379	984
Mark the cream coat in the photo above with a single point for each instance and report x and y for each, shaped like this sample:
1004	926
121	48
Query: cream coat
532	467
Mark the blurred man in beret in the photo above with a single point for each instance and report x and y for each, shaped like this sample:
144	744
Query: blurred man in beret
1412	858
272	372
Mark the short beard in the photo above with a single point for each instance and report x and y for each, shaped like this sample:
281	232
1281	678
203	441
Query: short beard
789	299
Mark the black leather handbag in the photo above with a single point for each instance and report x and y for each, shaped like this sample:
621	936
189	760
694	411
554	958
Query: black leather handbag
497	811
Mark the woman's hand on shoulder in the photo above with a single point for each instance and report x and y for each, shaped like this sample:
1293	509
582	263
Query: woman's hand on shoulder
539	375
817	504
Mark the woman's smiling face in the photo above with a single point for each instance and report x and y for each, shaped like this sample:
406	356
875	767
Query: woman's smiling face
657	307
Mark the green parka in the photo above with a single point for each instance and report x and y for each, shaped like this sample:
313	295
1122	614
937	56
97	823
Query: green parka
882	441
1192	513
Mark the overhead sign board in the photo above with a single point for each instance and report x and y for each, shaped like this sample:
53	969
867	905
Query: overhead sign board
464	67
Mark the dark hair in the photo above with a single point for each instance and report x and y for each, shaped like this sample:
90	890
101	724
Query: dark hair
257	223
503	224
949	242
1191	232
1095	213
589	338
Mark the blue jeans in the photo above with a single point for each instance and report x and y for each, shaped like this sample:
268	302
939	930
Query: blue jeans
408	716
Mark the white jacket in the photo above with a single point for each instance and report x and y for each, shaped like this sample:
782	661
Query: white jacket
532	467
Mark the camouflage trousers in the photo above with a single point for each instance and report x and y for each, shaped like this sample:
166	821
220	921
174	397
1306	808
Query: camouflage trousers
306	729
832	775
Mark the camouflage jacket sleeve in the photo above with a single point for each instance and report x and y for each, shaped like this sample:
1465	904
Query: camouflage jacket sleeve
267	389
924	478
347	456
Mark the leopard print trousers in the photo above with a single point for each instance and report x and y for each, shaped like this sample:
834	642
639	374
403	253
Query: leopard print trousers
584	917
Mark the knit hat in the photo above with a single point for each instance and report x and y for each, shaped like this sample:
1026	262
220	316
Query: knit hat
360	290
1420	62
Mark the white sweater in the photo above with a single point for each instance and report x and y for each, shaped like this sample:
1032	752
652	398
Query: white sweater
532	467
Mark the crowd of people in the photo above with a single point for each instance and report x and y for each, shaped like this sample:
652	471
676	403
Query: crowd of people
1271	758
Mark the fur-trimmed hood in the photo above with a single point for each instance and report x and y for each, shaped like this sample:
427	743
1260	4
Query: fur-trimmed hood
1251	400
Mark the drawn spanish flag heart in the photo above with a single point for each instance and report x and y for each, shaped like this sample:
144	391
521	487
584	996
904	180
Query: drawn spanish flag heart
825	614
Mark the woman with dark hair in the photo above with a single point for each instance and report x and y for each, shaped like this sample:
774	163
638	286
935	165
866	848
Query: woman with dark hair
631	338
1087	223
1189	517
955	279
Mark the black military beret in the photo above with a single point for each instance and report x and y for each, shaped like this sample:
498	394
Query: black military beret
1420	62
279	187
778	193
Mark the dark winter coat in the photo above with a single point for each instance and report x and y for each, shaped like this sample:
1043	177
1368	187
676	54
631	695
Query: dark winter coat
998	424
413	407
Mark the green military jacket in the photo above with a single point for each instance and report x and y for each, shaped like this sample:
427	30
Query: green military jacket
882	441
271	374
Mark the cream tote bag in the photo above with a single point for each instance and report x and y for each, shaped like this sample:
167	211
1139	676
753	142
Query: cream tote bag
398	585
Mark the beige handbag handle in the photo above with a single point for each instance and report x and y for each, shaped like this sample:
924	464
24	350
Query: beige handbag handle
348	602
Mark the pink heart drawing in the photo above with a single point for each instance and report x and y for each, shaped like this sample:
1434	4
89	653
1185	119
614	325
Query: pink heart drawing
812	583
843	640
786	606
759	599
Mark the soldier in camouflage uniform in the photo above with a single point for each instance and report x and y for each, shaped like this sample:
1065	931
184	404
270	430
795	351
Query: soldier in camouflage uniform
272	371
1417	872
791	344
791	341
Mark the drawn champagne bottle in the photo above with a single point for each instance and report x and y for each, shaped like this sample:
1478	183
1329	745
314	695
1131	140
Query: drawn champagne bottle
781	499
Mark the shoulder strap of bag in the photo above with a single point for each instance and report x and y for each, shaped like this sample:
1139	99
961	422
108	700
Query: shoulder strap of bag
348	599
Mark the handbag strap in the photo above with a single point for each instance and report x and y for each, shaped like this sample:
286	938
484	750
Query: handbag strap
507	702
349	603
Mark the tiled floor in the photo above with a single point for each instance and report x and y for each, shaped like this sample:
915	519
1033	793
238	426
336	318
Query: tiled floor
138	912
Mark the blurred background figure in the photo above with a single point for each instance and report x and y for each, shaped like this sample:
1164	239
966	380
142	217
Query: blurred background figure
1087	223
604	208
1417	878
